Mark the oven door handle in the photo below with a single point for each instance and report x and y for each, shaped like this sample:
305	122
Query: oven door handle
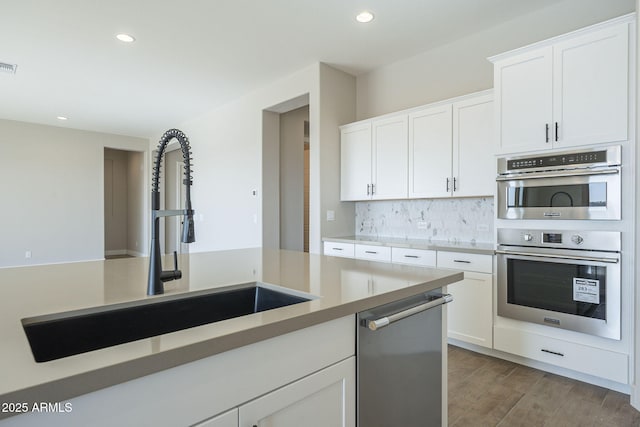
562	174
572	257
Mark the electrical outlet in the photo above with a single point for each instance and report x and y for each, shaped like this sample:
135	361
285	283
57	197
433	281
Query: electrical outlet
27	254
482	227
422	225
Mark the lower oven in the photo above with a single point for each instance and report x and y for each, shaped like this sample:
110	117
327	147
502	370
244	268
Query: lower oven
564	279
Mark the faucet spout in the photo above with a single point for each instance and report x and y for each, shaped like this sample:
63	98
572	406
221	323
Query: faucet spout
157	276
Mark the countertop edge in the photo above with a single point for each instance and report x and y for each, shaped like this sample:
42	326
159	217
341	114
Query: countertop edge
70	387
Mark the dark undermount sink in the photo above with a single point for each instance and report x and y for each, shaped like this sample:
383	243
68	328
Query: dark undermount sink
59	335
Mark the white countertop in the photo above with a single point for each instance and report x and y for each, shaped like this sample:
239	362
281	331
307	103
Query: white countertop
344	286
435	245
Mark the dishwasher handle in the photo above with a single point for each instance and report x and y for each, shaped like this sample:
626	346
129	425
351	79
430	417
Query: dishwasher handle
374	325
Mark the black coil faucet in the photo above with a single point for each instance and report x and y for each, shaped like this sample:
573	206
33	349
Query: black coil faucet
157	276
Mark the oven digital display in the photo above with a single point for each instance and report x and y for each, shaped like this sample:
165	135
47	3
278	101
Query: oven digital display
552	237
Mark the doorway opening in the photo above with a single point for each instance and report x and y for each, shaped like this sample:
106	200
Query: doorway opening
124	234
286	172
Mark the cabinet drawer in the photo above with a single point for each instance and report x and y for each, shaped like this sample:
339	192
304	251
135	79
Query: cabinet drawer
578	357
373	253
339	249
464	261
422	257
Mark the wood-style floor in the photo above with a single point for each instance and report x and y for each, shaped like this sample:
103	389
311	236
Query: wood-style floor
485	391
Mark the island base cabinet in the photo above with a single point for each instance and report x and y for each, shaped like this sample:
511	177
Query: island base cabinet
326	398
209	390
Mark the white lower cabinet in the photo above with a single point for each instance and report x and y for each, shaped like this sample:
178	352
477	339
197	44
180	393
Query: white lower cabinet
470	315
594	361
345	250
421	257
325	398
373	253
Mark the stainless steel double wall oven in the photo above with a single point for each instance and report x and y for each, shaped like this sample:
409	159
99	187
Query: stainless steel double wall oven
550	274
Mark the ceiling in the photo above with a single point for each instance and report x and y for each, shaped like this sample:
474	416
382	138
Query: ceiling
195	55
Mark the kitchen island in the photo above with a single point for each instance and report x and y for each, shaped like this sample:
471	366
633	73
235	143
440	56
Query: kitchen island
299	340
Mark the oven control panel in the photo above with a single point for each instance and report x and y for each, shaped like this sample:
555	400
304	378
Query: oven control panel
567	239
607	157
569	159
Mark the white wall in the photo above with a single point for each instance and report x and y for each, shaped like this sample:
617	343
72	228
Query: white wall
228	159
461	67
52	185
227	165
270	179
336	107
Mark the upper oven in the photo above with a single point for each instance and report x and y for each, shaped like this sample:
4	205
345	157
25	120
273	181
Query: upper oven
566	185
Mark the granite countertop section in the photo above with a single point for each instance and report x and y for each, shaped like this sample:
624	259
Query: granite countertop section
342	287
435	245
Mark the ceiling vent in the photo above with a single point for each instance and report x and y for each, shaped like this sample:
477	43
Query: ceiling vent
8	68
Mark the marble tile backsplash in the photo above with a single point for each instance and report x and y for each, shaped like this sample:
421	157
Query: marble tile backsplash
452	220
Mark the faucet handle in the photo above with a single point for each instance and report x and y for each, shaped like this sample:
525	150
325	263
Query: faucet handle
174	274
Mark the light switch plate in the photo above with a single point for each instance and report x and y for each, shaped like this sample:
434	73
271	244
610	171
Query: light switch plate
331	215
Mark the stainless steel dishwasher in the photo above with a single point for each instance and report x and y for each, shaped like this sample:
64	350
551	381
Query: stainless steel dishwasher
399	362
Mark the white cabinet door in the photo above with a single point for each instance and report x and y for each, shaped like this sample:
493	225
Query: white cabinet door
228	419
474	166
325	398
523	96
470	315
390	153
355	158
591	88
430	152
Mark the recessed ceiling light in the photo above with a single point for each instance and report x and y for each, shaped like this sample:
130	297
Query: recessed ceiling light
126	38
364	17
63	118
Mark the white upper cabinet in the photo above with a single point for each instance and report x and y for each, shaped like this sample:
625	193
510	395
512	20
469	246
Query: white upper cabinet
389	158
572	90
439	150
355	161
430	152
451	149
523	91
474	165
373	162
591	81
